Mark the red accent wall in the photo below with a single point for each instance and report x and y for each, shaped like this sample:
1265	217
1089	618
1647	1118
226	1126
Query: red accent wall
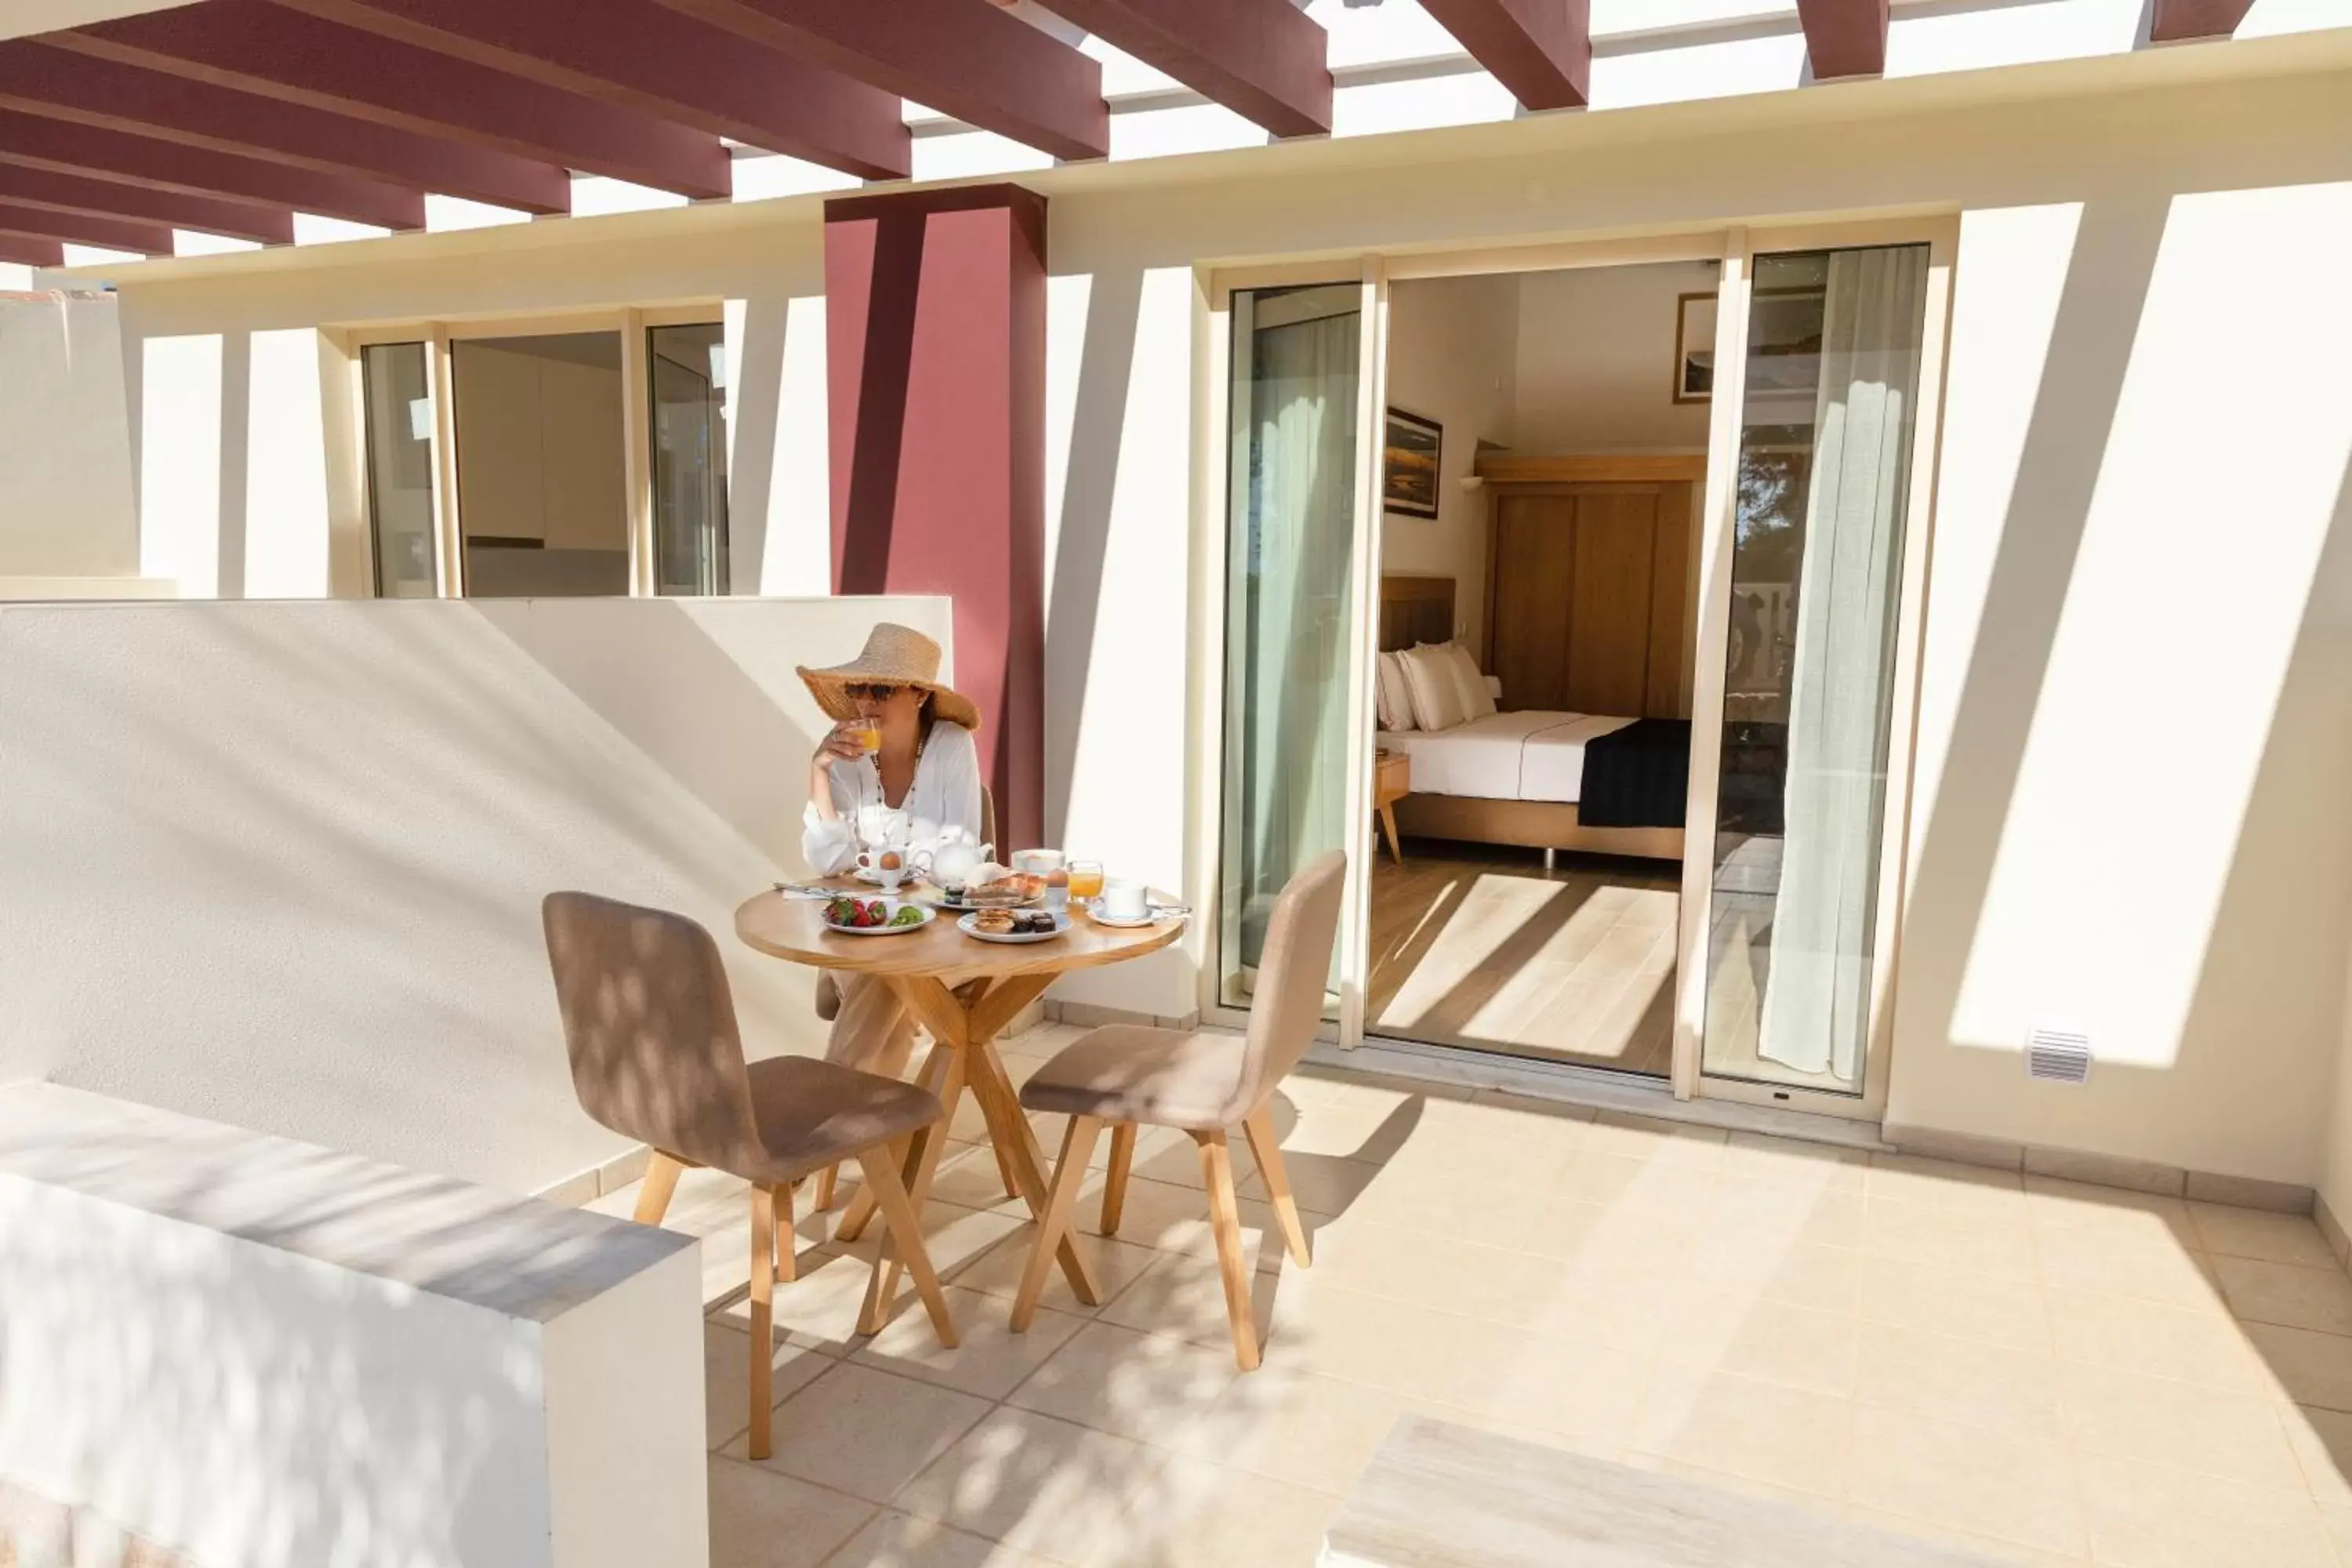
935	353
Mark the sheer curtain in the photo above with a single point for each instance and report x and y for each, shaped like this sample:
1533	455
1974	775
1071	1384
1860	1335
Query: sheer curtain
1815	1010
1295	537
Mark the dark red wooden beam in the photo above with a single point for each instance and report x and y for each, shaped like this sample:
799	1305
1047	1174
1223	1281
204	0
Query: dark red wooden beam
635	55
31	252
1265	59
963	58
1844	37
32	142
1540	49
114	234
105	198
37	79
2180	21
255	48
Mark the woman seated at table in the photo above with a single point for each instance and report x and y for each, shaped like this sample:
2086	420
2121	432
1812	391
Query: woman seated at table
926	770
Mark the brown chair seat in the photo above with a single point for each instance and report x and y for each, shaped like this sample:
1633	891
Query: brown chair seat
1129	1072
810	1113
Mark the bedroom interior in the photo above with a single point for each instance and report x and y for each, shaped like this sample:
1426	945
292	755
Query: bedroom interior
1546	463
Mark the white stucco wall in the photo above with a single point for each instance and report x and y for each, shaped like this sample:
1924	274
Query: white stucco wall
280	865
65	508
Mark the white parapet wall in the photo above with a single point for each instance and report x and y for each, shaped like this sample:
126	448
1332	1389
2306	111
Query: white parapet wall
237	1350
281	863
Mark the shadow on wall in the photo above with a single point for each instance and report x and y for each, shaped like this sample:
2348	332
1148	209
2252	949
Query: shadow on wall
2141	828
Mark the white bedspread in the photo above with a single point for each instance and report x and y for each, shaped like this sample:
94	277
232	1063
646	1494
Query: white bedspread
1503	756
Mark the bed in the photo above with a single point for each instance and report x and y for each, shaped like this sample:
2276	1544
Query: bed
1512	777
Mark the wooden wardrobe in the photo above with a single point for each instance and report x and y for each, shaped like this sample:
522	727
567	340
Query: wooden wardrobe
1589	581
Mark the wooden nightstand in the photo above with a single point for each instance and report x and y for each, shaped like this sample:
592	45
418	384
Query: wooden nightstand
1391	781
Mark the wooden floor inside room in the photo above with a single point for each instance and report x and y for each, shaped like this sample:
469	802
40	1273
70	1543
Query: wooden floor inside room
1477	945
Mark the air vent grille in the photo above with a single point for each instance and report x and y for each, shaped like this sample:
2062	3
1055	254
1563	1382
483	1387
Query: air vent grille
2058	1056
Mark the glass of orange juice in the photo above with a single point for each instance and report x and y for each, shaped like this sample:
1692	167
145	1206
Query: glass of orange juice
866	733
1085	879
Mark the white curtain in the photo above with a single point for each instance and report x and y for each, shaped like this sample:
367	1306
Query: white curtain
1299	535
1817	992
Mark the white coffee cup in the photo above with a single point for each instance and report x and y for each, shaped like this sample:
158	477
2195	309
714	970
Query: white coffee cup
885	878
1123	900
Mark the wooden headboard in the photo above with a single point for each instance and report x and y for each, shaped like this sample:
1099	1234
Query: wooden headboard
1415	610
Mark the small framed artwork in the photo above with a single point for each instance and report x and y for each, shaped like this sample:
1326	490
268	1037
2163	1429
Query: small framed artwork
1409	466
1694	348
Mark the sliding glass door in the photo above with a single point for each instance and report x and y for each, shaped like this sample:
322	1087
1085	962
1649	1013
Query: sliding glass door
1828	428
1290	564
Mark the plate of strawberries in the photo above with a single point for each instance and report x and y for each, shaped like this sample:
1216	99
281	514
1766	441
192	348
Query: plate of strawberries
852	915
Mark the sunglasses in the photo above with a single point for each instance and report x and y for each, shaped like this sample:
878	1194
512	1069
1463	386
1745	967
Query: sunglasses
871	690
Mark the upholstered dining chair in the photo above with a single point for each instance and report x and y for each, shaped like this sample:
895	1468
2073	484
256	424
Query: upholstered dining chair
656	1056
1203	1083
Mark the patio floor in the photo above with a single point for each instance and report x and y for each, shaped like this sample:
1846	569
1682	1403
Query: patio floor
2045	1372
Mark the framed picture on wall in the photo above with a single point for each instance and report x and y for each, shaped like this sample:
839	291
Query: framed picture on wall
1409	466
1694	348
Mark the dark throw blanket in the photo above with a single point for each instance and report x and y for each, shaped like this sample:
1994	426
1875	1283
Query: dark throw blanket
1638	776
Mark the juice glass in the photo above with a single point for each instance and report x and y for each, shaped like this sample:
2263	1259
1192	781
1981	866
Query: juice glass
1085	879
868	733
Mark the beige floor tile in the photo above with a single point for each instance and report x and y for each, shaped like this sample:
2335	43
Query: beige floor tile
2306	1366
1039	1485
865	1431
1794	1274
1136	1385
968	1177
2160	1341
1966	1478
1965	1382
2322	1441
1993	1308
1491	1209
2285	1294
1793	1345
1625	1232
2176	1424
1319	1183
895	1539
1623	1307
760	1519
726	1372
1946	1183
990	1360
1732	1485
2150	1269
1786	1437
1391	1345
1525	1380
819	1308
1313	1432
1613	1178
996	1271
2001	1553
1978	1241
2153	1516
1204	1515
2055	1203
1743	1212
1182	1296
1430	1270
1683	1144
952	1235
2258	1233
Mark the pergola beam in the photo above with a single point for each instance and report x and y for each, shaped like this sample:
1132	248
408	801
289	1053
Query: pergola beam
1264	60
1844	37
37	79
1540	49
963	58
2183	21
32	142
635	55
254	48
79	228
31	252
105	198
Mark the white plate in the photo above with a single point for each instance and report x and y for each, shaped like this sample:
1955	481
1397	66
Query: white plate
1012	939
925	911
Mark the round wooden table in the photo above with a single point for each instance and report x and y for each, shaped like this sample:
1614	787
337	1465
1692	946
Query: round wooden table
963	991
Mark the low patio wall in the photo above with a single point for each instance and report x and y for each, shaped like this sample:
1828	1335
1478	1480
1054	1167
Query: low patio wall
280	863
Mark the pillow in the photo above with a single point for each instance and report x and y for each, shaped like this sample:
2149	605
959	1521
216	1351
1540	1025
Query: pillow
1395	705
1476	702
1436	701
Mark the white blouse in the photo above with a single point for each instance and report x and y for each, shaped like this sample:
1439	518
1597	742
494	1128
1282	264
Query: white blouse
944	795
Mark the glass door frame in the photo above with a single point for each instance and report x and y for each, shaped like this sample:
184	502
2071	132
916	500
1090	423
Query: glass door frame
1734	247
440	335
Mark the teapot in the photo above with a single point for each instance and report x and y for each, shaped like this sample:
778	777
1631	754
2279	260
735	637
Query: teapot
952	861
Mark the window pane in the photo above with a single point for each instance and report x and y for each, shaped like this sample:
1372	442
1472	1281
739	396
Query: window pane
400	467
1291	535
1824	474
689	368
540	487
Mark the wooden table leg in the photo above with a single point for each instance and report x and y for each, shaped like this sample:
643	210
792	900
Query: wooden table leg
921	1161
938	1076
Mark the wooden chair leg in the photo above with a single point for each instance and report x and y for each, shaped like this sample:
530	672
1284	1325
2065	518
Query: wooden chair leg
654	1193
907	1229
1054	1219
1225	1220
1259	1126
1122	1160
826	1180
788	1261
942	1076
763	1288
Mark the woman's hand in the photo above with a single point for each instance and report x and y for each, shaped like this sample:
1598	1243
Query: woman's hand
838	746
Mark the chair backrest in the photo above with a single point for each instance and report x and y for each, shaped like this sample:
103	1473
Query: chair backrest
1286	1006
650	1026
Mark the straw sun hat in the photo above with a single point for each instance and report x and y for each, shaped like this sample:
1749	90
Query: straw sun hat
894	655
